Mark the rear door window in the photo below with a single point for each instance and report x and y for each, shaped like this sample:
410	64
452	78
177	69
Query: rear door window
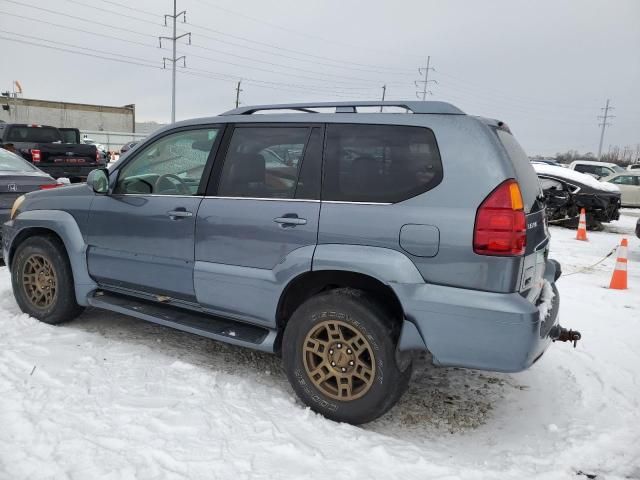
379	163
263	162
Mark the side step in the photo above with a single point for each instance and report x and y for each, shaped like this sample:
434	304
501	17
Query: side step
216	328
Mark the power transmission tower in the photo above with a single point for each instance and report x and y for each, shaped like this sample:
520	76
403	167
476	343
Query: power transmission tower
238	90
425	83
173	58
384	92
604	125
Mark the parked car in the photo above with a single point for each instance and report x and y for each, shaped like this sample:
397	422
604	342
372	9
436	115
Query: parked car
629	185
46	147
634	166
101	148
17	177
566	192
127	146
595	168
372	237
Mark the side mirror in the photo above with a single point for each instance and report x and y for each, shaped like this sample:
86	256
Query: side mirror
98	180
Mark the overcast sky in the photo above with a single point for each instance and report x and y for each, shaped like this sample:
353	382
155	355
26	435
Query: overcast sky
544	67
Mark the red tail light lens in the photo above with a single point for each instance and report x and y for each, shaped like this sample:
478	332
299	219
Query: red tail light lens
35	155
501	227
48	186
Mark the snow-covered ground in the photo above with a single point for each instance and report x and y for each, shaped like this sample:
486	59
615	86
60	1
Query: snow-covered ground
112	397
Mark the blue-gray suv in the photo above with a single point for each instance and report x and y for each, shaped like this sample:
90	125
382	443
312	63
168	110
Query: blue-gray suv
342	238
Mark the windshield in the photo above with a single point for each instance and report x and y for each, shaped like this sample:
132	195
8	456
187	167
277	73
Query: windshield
10	162
618	168
34	134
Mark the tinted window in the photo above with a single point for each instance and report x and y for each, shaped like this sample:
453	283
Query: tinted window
311	170
172	165
379	163
34	134
263	162
585	168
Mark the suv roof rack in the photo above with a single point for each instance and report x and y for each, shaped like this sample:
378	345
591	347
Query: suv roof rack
352	107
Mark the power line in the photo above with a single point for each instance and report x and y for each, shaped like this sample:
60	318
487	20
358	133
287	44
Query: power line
174	39
75	17
604	125
186	71
297	32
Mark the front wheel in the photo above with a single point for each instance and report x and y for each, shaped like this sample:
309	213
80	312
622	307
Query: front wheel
339	354
42	280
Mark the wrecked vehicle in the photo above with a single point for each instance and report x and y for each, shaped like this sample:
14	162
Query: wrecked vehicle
566	192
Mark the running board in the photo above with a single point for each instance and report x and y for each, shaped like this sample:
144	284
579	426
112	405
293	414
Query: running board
217	328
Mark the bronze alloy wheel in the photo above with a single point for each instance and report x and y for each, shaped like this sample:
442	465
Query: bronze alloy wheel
339	360
39	281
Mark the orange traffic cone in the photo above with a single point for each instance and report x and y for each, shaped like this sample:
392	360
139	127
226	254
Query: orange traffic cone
582	226
619	278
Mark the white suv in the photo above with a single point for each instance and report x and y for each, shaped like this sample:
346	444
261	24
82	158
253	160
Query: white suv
595	168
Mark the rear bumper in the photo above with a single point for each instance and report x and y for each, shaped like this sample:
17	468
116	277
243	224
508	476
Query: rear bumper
475	329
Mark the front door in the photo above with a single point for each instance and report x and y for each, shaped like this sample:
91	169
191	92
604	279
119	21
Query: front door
141	235
258	226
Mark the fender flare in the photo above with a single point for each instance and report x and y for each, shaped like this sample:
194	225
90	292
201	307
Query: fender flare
390	267
64	226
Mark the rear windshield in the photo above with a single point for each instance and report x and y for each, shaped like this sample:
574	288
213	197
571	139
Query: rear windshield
69	136
525	174
34	134
10	162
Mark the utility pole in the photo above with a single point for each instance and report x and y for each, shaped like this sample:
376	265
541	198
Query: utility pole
604	125
384	91
238	90
425	83
173	58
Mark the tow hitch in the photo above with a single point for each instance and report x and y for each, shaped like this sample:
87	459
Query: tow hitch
561	334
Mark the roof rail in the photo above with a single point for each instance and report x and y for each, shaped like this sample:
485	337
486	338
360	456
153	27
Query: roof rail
352	107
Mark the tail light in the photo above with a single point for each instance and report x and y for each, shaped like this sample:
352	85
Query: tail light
501	227
98	157
35	155
48	186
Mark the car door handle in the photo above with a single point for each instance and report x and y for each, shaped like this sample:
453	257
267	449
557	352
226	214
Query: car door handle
290	221
175	214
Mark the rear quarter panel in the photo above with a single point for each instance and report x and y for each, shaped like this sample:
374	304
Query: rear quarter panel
474	163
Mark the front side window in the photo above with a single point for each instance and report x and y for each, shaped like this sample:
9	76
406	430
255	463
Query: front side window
172	165
263	162
379	163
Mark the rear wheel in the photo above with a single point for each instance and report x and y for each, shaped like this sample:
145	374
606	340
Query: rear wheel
42	280
339	355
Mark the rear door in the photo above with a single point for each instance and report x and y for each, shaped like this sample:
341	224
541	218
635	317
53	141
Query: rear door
629	188
257	227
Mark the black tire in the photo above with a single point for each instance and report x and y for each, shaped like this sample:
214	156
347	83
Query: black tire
62	306
353	310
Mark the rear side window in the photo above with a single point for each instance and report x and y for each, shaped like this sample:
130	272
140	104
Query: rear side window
585	168
263	162
379	163
34	135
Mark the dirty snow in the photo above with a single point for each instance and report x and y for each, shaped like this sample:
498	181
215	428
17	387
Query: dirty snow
111	397
575	176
